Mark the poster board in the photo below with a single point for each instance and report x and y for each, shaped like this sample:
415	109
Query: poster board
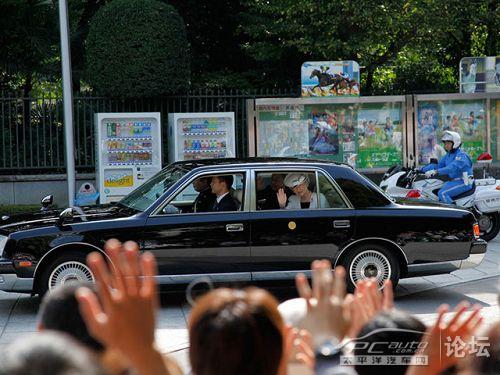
466	117
365	135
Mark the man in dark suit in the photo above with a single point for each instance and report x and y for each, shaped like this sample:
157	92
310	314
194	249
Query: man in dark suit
220	187
205	200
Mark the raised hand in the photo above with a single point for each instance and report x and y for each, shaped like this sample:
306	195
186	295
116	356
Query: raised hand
124	319
366	302
458	331
325	318
282	198
298	355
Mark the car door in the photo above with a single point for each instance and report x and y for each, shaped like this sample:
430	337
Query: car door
286	240
189	245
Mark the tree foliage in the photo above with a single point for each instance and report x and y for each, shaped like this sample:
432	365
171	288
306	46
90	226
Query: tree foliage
28	34
410	38
405	46
137	48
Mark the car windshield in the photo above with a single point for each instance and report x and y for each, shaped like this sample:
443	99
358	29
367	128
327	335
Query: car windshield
146	194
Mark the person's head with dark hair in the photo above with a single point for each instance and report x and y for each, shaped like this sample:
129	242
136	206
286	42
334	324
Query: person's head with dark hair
399	328
221	184
59	311
48	353
235	332
201	184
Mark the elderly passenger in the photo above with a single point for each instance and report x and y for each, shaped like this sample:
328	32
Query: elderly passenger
303	197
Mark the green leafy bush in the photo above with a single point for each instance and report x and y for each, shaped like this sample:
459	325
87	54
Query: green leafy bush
137	48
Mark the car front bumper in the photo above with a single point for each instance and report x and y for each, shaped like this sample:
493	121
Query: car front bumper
10	282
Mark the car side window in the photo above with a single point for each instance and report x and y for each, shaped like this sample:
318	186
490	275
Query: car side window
330	193
209	193
291	190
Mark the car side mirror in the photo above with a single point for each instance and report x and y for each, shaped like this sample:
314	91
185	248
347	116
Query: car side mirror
67	214
434	161
46	202
170	209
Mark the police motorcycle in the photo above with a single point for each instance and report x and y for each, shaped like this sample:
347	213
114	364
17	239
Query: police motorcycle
483	199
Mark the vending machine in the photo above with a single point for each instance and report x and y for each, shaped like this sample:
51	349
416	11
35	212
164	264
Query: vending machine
128	152
206	135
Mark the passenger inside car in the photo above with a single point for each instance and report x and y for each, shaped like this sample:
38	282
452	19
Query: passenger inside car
205	199
267	198
221	186
303	198
198	196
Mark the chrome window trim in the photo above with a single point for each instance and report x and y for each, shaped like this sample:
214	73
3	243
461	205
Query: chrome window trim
308	169
245	171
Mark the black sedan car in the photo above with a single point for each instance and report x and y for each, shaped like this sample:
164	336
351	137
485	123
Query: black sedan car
278	215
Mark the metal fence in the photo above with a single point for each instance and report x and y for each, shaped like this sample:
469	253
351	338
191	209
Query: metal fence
32	129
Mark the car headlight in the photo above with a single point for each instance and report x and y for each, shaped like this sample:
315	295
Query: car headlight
3	241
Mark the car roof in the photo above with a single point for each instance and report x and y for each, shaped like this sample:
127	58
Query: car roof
255	161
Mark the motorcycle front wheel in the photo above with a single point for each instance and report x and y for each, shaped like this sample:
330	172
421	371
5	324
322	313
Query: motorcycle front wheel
489	225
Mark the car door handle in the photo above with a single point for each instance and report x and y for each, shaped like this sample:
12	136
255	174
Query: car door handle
234	228
341	224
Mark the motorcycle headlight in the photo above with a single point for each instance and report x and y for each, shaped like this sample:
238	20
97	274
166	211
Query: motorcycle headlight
3	241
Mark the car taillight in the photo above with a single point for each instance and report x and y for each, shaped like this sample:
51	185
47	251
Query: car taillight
413	194
476	230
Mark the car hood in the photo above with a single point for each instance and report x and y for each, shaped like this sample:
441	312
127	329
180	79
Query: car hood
32	220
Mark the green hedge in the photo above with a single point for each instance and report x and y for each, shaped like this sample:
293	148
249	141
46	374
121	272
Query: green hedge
137	48
11	209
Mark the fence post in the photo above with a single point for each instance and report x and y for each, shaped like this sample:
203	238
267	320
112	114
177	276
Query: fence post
251	130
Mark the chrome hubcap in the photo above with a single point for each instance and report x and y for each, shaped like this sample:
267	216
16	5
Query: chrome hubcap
68	272
368	264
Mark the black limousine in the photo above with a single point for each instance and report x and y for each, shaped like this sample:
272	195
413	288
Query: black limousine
280	214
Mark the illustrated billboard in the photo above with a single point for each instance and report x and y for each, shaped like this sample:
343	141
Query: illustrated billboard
367	135
466	117
480	74
330	78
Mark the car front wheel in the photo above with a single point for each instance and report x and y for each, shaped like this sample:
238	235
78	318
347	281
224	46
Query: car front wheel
69	267
370	261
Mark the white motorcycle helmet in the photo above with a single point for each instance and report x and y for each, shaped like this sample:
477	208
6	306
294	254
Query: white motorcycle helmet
450	136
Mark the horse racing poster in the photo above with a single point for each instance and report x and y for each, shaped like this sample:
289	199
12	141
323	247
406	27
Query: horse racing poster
330	78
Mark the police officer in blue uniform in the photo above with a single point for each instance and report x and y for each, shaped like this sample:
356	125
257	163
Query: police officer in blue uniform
456	164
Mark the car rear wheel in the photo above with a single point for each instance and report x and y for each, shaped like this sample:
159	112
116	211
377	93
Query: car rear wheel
69	267
370	261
